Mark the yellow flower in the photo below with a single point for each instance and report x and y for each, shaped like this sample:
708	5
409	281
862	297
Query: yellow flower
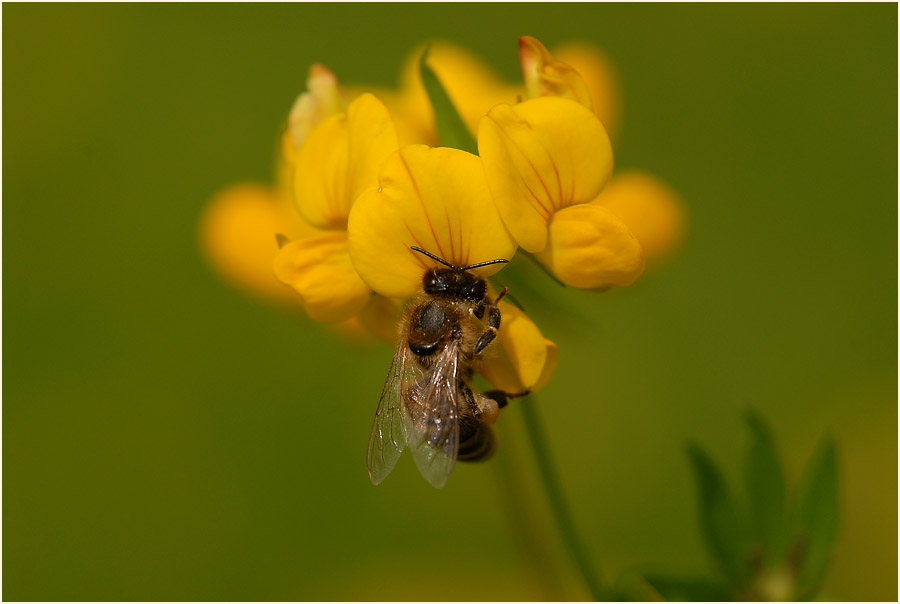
239	226
337	161
544	162
545	159
577	254
437	199
651	210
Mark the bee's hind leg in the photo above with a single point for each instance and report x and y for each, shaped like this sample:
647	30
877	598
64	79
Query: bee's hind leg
502	397
493	323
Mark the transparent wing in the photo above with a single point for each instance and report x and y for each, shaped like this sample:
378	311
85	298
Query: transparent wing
390	429
433	409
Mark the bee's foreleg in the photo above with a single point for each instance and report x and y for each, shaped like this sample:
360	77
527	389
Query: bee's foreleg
493	324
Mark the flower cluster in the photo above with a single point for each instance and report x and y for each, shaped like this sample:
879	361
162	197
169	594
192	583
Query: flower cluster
367	183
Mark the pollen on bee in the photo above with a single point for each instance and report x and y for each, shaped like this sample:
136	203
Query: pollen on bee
490	410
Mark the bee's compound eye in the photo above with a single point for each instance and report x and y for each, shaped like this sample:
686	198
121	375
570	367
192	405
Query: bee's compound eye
490	410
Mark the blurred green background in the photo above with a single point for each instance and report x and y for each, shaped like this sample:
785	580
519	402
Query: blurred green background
167	437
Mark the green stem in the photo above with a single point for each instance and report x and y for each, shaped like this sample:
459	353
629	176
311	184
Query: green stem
553	489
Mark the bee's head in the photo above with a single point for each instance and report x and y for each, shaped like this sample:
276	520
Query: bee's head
455	280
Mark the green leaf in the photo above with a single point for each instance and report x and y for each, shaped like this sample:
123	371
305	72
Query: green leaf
719	520
814	519
451	130
765	486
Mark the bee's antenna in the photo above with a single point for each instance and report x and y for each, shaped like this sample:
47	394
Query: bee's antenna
480	264
456	268
433	257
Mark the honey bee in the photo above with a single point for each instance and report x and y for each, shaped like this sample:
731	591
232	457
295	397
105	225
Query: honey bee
427	402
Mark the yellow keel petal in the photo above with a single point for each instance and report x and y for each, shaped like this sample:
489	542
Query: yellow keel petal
590	248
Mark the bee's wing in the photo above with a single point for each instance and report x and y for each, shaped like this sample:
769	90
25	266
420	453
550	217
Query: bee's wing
433	409
390	429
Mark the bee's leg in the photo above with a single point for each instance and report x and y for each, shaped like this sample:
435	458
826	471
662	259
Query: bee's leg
493	323
468	397
486	303
502	397
479	310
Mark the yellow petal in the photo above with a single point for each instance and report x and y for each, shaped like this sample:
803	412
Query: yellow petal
470	83
237	234
435	199
339	159
518	363
601	80
539	156
654	213
323	98
545	75
319	269
549	367
590	248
